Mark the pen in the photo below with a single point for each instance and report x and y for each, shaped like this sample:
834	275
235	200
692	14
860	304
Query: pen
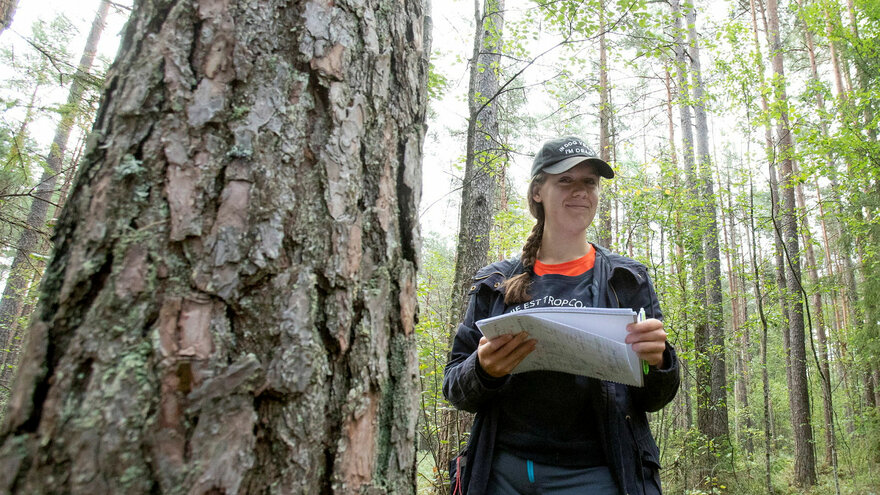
645	368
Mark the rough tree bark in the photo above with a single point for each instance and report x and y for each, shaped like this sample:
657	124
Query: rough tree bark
813	269
714	418
21	270
757	6
693	247
805	460
231	301
478	193
706	360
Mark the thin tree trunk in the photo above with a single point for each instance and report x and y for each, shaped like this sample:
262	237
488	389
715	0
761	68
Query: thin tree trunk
692	244
711	341
819	320
738	320
848	271
875	375
765	380
230	304
605	117
16	150
478	197
483	153
10	361
677	269
21	270
805	464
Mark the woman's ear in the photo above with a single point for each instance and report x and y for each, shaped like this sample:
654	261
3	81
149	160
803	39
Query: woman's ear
536	194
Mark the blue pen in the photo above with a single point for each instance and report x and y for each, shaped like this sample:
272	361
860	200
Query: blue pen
645	368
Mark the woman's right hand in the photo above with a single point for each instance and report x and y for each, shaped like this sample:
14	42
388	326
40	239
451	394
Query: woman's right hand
499	356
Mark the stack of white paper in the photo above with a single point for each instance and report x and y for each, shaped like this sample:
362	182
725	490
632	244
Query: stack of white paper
580	341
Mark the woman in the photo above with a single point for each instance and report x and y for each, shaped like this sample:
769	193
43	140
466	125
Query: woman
551	432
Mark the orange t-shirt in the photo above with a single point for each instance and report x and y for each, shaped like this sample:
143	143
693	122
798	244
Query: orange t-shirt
571	268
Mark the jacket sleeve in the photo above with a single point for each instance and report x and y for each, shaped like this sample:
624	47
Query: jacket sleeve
465	384
661	384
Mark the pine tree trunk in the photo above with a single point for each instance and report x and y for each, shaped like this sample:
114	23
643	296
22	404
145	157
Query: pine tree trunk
715	349
230	304
21	270
813	272
846	241
774	188
819	322
805	464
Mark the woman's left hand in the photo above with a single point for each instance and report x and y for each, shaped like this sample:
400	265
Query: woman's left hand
648	340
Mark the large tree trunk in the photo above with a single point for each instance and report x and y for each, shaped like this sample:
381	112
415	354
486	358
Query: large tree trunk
21	271
230	305
715	417
813	271
692	245
707	421
483	156
805	461
756	5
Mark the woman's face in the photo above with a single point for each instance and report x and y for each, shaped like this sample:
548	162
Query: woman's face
570	199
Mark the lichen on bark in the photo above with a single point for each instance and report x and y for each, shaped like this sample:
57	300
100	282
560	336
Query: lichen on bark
230	304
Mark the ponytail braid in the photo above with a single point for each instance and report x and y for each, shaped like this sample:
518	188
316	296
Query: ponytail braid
516	289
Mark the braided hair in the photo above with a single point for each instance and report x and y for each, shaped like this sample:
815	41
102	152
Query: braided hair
517	288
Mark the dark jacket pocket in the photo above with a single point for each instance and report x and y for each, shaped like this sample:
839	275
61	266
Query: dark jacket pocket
651	473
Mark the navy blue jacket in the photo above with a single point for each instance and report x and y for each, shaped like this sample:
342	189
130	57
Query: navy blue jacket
630	450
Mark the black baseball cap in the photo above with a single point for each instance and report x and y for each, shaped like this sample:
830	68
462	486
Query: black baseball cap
560	154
